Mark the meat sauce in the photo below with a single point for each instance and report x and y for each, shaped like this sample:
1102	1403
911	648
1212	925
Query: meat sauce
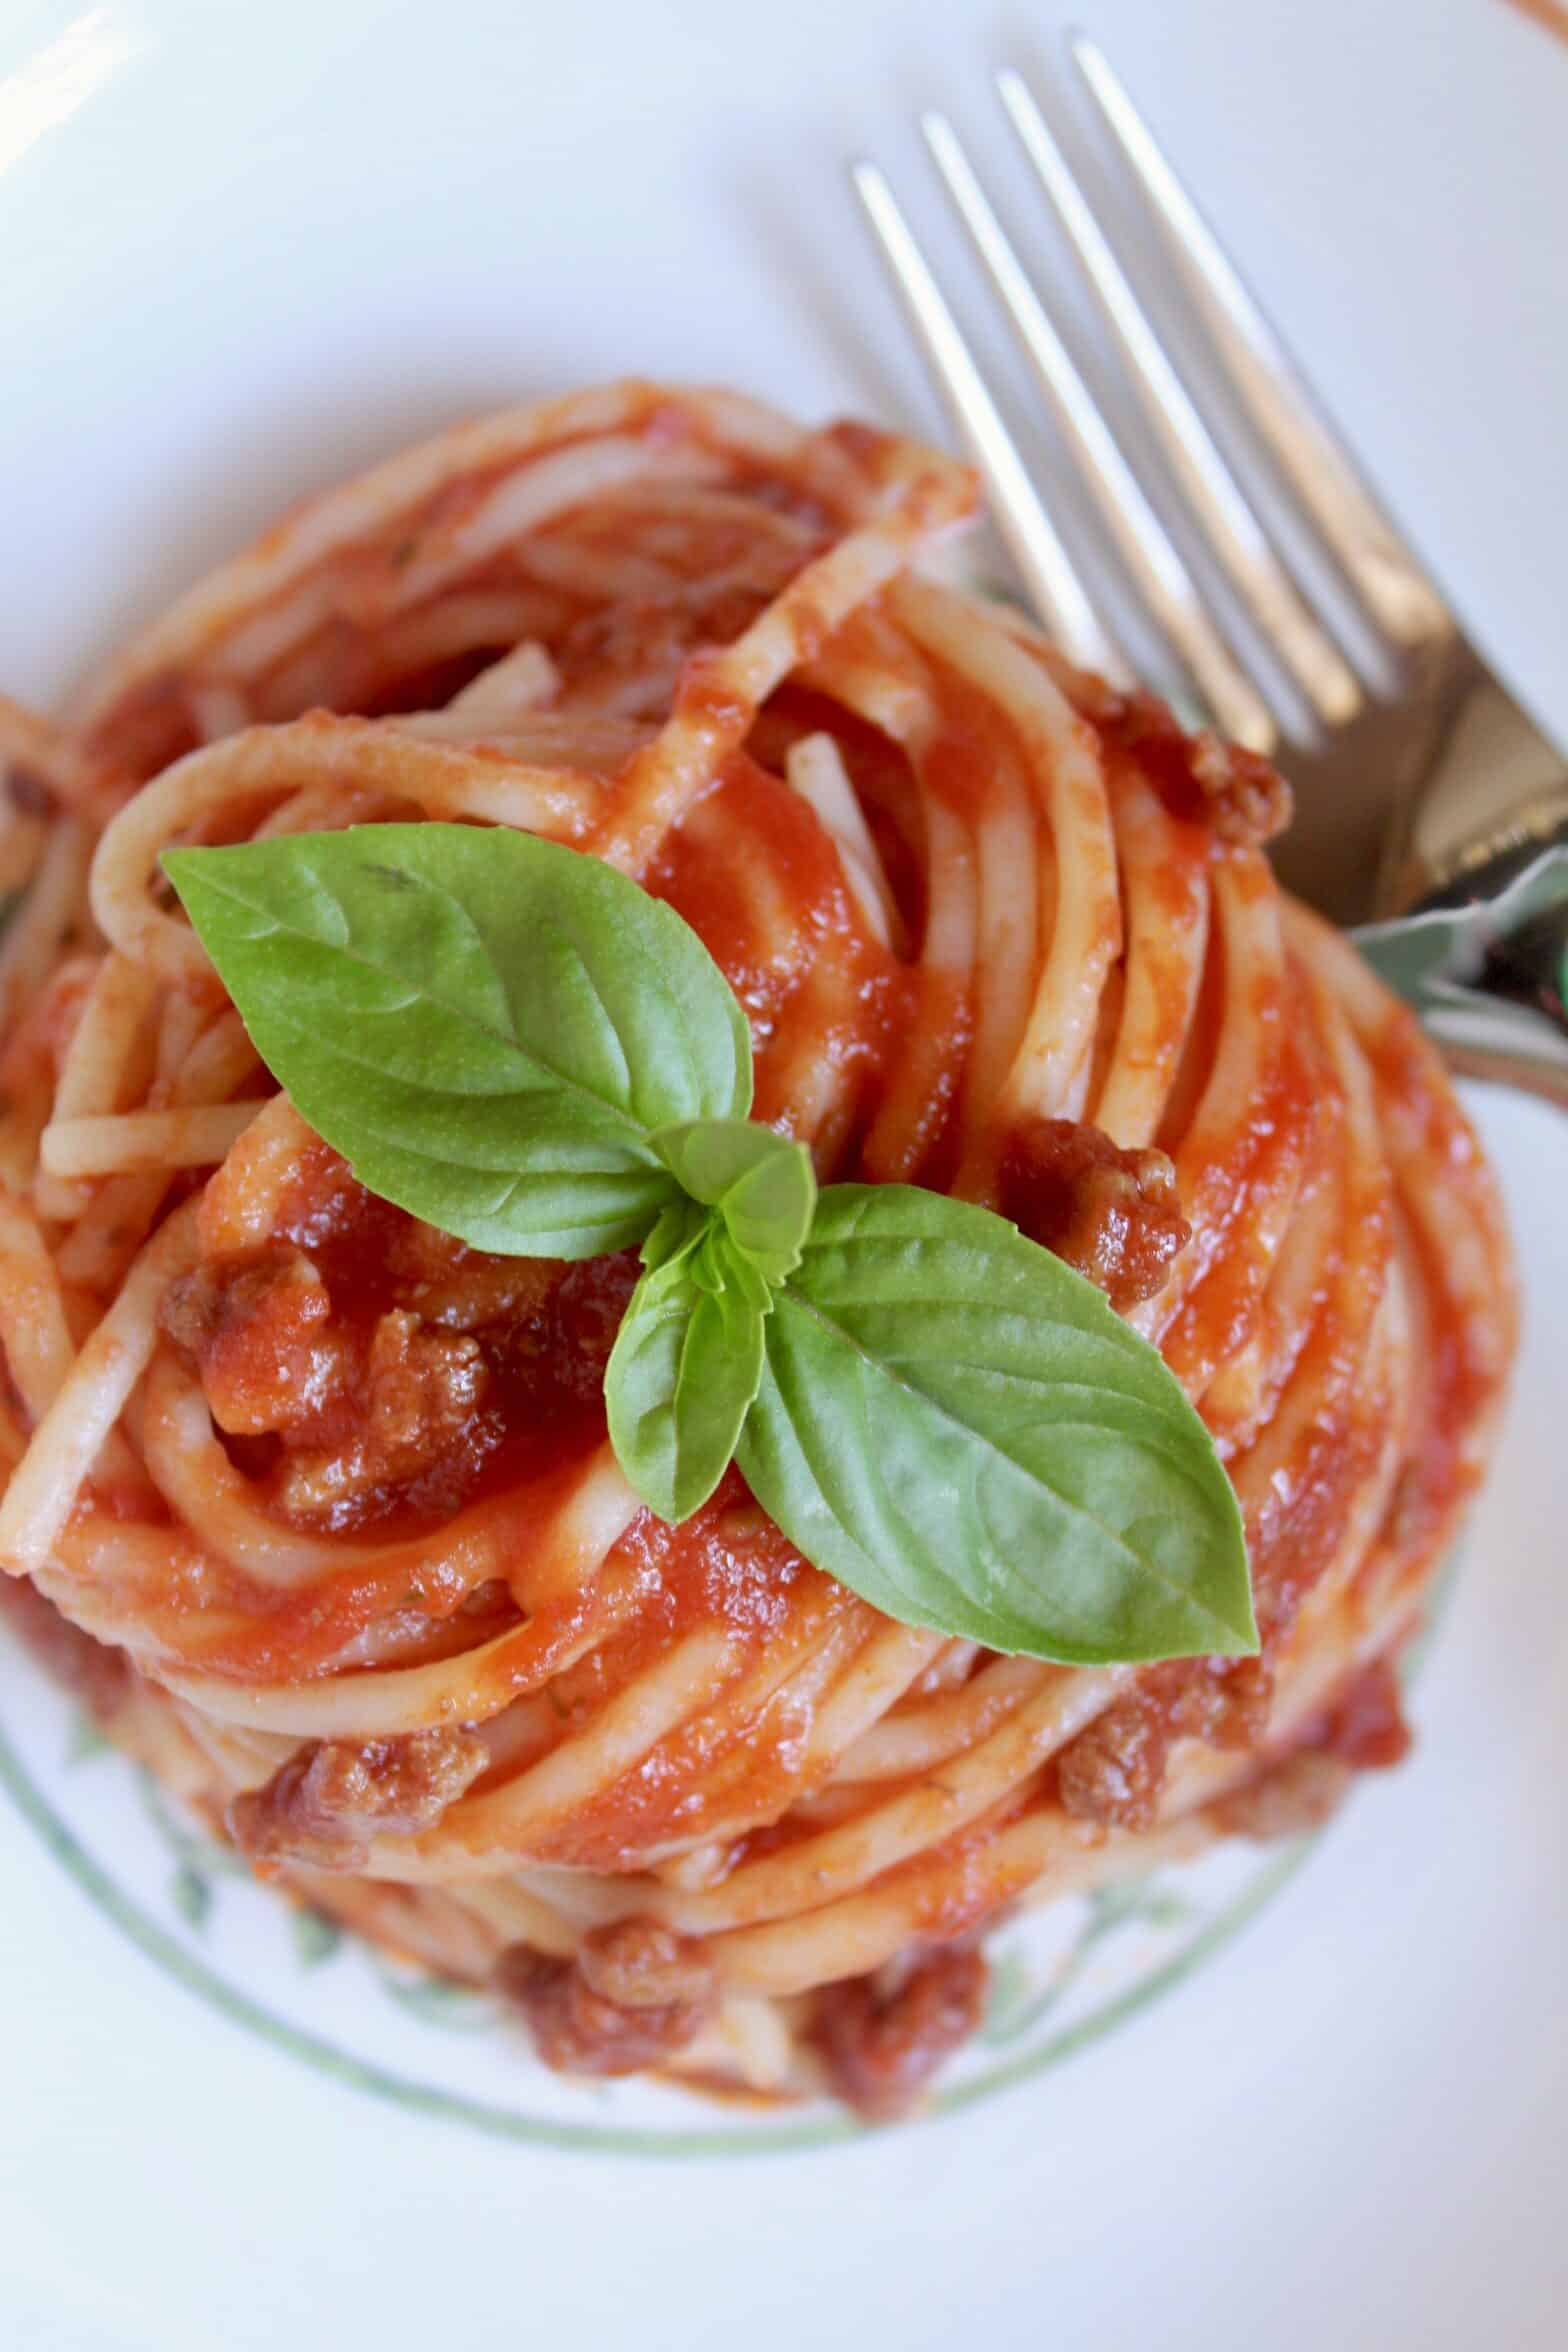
882	2038
1113	1214
370	1375
580	2029
1245	799
1114	1771
332	1797
369	1372
727	1570
1362	1729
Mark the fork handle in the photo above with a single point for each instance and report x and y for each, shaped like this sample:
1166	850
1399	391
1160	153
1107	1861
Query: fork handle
1530	1076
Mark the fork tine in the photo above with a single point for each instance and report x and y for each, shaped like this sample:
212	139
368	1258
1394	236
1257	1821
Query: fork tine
1211	489
1054	587
1145	547
1267	381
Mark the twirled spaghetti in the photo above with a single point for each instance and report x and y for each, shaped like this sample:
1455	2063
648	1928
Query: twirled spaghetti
317	1504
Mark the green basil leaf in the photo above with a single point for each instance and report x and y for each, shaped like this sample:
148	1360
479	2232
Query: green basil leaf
679	1229
684	1369
487	1026
761	1183
955	1424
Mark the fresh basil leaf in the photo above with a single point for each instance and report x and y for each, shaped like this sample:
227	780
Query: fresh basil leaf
955	1424
679	1229
762	1184
684	1369
486	1025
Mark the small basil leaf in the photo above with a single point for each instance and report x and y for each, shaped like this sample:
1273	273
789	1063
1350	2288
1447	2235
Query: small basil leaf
679	1229
762	1183
683	1371
955	1424
486	1025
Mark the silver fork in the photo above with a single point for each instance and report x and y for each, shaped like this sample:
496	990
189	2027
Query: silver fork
1418	777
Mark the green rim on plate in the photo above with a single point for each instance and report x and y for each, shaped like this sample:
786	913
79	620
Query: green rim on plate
792	2130
811	2131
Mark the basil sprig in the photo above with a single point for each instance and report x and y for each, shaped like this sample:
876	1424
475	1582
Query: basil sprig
687	1359
490	1028
685	1367
518	1045
958	1425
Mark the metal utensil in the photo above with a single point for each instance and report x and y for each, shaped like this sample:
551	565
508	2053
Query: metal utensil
1416	772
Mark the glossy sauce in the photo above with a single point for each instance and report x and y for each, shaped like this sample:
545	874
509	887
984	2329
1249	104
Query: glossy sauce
883	1035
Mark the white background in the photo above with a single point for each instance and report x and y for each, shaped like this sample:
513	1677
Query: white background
265	242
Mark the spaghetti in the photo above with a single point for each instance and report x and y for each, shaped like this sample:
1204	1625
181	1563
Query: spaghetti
316	1504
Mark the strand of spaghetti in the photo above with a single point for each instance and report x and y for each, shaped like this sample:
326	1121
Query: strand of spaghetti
33	1331
815	768
1433	1153
463	622
570	752
816	1870
880	677
515	1914
1245	1391
1084	925
328	808
521	502
196	1067
482	1836
597	572
518	683
40	1496
719	692
218	709
875	1679
947	1890
36	932
1165	892
194	1474
472	1687
1008	857
107	1065
347	516
266	764
913	1738
1342	1300
818	1090
737	1796
151	1591
128	1142
42	766
1239	1163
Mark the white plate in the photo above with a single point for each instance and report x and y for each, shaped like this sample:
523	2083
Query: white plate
244	248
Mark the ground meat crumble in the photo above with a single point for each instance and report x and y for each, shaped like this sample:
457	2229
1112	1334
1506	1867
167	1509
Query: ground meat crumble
332	1797
1114	1771
882	2038
1113	1214
1202	777
634	1996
